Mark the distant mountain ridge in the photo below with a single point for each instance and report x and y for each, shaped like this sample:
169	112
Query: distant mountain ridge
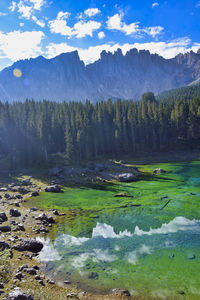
66	78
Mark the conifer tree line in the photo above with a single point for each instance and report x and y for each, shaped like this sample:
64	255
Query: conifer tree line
30	131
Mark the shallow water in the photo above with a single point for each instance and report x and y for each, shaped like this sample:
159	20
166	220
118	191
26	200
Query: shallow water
106	242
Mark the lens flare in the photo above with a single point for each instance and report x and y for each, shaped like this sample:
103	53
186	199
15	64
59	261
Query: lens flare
17	73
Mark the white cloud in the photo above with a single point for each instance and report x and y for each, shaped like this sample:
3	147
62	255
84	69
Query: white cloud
79	30
60	26
82	29
48	253
101	35
155	4
115	23
20	45
38	22
13	6
63	15
37	4
154	31
27	9
166	49
2	14
21	24
90	12
103	255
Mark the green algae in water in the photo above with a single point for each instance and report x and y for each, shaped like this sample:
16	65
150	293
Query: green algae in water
105	242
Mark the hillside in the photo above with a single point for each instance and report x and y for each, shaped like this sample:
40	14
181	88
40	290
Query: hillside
187	93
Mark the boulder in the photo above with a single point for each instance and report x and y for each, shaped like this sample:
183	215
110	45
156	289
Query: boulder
20	227
4	246
45	219
159	171
5	228
3	217
33	209
18	294
21	190
126	177
53	189
34	194
31	271
7	196
29	245
26	182
14	213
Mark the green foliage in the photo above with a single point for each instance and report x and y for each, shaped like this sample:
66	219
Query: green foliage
188	92
4	265
30	131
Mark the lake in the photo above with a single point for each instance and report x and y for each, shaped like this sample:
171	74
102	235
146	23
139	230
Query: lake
148	243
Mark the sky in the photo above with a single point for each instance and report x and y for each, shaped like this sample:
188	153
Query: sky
29	28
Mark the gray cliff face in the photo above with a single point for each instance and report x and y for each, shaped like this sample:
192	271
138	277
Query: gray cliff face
66	78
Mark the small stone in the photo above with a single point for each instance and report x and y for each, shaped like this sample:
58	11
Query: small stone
31	271
51	281
41	282
1	285
19	275
67	282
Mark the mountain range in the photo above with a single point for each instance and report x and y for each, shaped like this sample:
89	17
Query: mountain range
67	78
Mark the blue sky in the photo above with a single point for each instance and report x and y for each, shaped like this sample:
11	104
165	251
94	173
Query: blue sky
29	28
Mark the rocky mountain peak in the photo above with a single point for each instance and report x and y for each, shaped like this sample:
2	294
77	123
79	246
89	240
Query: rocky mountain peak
114	75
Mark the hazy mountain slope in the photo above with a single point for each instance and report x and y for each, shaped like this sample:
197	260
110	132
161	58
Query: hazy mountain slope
65	77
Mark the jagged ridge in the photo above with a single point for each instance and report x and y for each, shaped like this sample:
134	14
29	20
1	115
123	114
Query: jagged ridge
66	78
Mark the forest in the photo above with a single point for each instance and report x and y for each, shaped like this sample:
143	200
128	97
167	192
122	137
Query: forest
31	131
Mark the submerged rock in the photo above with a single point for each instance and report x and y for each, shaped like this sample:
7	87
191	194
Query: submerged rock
159	171
93	275
123	195
126	177
121	292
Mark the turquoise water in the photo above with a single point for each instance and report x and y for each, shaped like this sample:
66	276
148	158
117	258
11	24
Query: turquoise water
153	250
